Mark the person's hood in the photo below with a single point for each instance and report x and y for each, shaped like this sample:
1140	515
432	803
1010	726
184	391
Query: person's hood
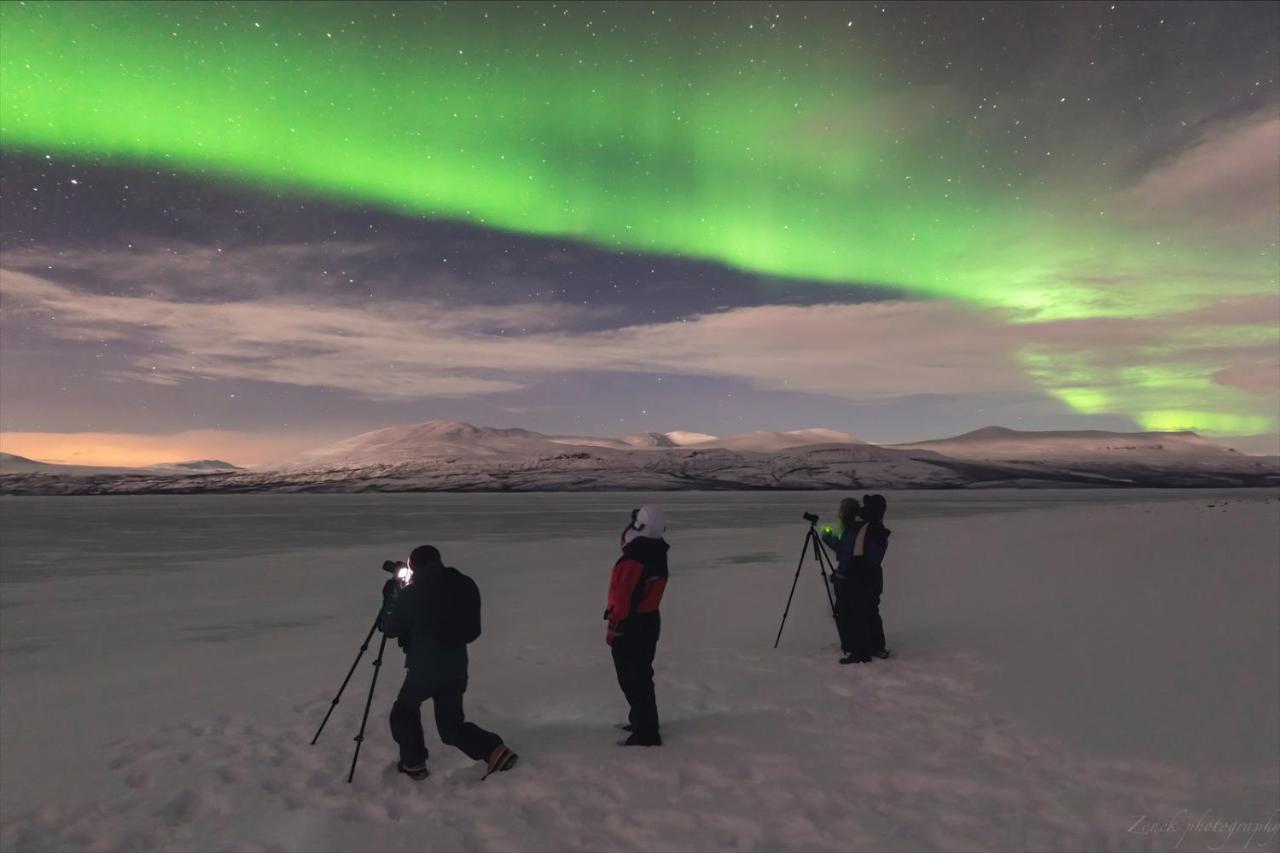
873	508
650	523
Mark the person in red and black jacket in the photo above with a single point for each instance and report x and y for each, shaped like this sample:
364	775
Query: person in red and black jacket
635	591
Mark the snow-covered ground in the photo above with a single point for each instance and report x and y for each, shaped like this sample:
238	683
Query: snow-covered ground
1077	670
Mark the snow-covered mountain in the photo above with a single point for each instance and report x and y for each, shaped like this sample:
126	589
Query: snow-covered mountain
676	438
455	456
764	441
760	441
455	439
195	466
1009	445
430	440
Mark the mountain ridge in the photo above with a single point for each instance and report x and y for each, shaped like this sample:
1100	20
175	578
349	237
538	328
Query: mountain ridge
457	456
1003	443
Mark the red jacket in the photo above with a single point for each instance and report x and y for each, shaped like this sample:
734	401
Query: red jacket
638	581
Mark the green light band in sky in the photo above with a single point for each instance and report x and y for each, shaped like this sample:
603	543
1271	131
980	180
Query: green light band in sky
773	160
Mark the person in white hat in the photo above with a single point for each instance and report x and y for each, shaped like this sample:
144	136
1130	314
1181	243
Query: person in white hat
635	592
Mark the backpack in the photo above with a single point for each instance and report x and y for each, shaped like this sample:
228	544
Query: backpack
455	609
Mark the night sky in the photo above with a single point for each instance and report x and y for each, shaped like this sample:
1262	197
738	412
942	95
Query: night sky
237	230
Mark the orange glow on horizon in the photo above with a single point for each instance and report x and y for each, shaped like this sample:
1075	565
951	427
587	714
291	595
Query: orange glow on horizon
135	450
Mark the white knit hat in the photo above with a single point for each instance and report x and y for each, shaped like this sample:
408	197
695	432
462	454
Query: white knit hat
650	523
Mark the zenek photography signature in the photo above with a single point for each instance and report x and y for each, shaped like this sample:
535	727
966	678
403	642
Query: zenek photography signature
1228	834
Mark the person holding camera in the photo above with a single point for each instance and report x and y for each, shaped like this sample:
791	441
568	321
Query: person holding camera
433	611
635	590
842	543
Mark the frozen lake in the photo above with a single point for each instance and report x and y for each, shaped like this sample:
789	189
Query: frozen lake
161	533
1138	627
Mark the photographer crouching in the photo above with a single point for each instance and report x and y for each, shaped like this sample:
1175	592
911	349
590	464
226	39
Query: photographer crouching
433	610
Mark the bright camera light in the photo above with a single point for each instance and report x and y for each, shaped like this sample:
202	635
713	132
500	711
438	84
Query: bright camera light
404	575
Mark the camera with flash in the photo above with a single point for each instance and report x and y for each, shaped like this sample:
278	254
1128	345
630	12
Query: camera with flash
400	569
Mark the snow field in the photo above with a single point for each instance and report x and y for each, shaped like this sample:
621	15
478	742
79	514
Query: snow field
173	710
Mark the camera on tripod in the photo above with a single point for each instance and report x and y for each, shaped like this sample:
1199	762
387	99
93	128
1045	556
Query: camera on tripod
812	544
401	570
403	576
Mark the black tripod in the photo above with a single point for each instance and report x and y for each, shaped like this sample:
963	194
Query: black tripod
377	666
822	557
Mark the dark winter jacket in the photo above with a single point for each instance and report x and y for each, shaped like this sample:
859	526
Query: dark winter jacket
859	554
637	584
865	568
406	616
842	544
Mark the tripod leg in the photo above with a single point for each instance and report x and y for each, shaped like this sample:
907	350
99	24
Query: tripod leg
377	665
363	647
823	558
794	581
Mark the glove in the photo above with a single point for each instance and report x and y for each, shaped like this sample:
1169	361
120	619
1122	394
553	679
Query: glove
607	611
612	633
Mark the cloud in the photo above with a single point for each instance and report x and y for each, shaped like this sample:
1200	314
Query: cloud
1229	181
388	350
863	352
1260	375
200	272
1215	369
409	350
1220	359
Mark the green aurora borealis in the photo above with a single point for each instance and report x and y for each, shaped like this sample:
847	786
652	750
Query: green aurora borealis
801	165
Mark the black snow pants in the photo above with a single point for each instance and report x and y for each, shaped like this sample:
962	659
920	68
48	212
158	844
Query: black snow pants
406	721
844	613
633	652
875	627
858	616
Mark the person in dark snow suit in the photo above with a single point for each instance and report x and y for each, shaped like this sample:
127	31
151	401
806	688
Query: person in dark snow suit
436	670
870	562
859	578
635	591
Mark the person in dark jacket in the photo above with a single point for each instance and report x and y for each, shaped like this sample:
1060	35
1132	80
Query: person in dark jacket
842	543
437	670
858	578
635	591
877	545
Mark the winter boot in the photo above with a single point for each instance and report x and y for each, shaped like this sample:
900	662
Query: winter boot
641	740
502	758
416	773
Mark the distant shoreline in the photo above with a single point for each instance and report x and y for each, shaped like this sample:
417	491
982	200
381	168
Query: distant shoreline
15	486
